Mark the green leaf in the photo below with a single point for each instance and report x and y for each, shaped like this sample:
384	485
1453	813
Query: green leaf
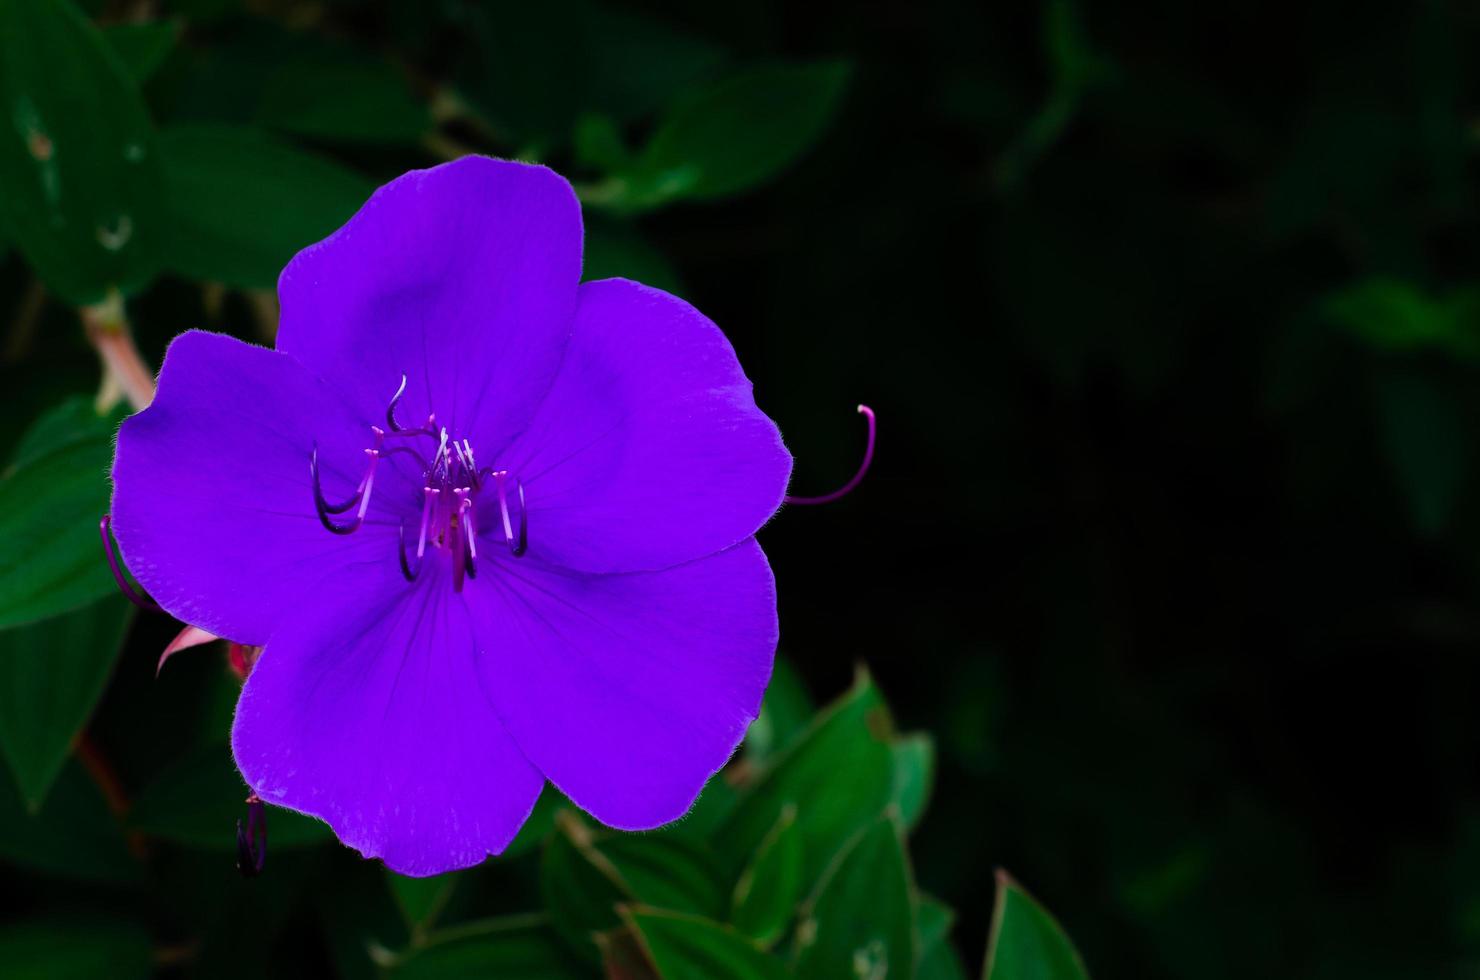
512	948
1075	68
768	892
142	47
733	136
1026	942
1391	315
640	63
74	420
347	98
585	874
839	775
51	676
711	809
784	715
861	920
50	503
690	947
73	835
77	156
1428	443
914	776
599	143
421	900
665	872
76	949
198	800
582	899
541	822
938	959
617	250
242	204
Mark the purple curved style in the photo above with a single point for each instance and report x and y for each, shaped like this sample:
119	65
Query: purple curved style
857	478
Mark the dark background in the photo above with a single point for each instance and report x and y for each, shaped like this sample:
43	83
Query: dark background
1167	313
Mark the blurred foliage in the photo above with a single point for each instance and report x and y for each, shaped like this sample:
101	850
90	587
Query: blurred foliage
1167	565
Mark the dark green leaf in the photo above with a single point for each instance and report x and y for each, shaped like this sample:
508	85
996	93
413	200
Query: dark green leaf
198	800
349	99
914	775
616	250
938	958
839	775
422	899
733	136
784	714
142	47
1391	315
581	898
75	949
861	920
541	821
1026	943
767	894
665	872
243	204
51	675
361	919
514	948
639	63
73	835
1075	68
74	420
77	159
50	505
599	143
1428	442
687	947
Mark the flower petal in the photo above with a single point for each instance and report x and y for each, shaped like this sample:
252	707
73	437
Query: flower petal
212	501
461	277
367	713
627	691
649	450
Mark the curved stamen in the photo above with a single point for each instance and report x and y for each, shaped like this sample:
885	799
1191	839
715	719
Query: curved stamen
143	602
847	488
320	503
361	495
429	497
395	427
406	569
503	507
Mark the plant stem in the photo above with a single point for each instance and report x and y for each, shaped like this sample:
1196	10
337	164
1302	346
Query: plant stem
107	328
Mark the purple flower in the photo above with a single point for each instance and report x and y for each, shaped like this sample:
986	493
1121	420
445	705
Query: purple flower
493	526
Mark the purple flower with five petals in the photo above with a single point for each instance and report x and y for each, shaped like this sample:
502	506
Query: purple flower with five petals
491	524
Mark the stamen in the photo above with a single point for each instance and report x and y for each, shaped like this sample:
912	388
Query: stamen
251	844
429	496
322	505
847	488
395	427
503	506
143	602
361	495
465	513
406	569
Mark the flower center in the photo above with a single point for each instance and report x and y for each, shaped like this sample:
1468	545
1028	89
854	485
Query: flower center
451	482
